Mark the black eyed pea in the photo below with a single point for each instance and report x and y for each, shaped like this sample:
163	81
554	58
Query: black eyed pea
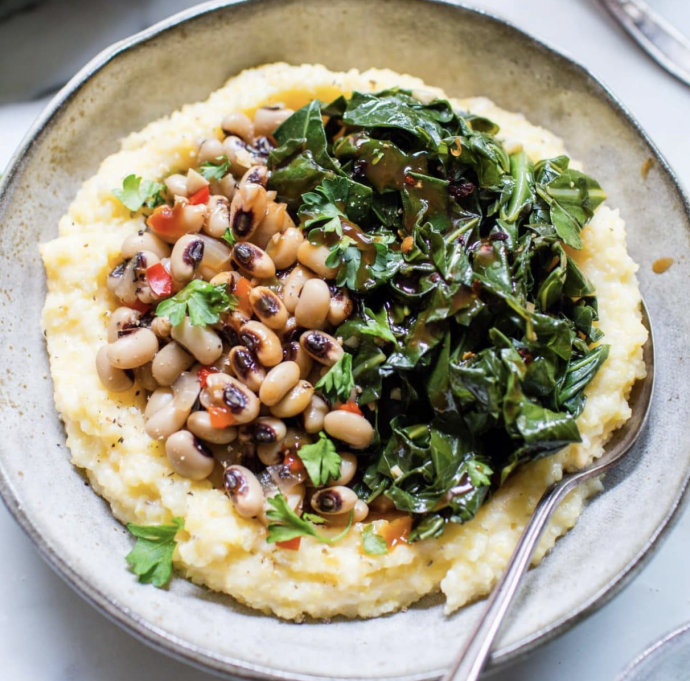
350	428
143	375
115	380
314	415
135	348
288	332
210	149
217	216
195	182
204	343
255	175
161	326
239	124
186	257
212	394
244	364
176	184
244	490
279	380
169	362
262	341
188	457
334	500
313	304
121	320
271	225
144	241
293	285
122	282
252	260
268	118
266	430
360	511
270	453
340	308
283	247
314	257
216	257
114	278
158	399
226	186
243	403
239	155
294	352
296	400
321	346
191	218
142	261
348	468
268	307
199	423
165	416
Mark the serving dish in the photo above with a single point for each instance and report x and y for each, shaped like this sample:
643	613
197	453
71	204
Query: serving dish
115	95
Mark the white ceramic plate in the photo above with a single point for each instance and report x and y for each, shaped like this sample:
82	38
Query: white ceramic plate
467	53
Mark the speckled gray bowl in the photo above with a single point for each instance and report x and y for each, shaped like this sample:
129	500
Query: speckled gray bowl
467	53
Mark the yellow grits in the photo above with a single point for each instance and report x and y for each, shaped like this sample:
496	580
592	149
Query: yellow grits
220	549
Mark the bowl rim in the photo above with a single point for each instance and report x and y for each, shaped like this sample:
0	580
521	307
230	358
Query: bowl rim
225	666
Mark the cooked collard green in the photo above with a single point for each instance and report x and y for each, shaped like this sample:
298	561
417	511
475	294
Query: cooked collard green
474	331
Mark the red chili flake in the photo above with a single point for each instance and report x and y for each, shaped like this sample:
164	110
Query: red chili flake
409	180
290	544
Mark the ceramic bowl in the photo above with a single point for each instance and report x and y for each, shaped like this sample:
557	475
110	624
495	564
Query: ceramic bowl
467	53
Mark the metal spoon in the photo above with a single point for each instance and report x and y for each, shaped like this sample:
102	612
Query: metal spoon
662	41
468	664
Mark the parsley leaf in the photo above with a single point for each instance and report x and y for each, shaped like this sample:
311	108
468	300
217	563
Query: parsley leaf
373	544
338	382
323	207
229	237
203	301
151	557
286	524
321	460
377	325
216	169
136	192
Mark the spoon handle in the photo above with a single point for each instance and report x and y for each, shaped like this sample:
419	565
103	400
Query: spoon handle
468	664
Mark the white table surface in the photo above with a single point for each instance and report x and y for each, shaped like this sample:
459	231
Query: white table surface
47	633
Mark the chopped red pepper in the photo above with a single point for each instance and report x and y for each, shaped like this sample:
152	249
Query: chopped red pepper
138	306
160	281
293	462
200	196
167	223
397	531
203	373
352	407
242	289
291	544
221	417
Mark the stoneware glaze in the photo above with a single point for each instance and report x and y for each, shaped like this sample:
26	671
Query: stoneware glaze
467	53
